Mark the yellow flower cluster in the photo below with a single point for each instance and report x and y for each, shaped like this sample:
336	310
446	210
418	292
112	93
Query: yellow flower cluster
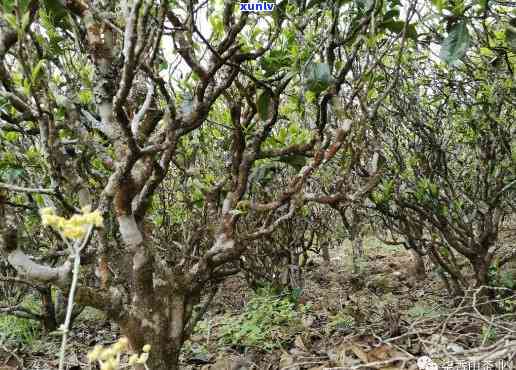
76	226
109	357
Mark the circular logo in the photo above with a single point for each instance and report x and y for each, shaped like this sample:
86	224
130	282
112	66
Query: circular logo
426	363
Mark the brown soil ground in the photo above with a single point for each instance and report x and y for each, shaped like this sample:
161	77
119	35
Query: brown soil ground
375	316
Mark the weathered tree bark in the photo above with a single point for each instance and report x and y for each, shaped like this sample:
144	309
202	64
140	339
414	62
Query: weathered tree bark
48	314
53	310
485	296
353	225
457	284
163	330
419	265
357	248
481	267
325	252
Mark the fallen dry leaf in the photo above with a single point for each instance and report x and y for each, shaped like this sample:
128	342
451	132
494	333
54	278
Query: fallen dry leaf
381	353
359	353
286	360
299	343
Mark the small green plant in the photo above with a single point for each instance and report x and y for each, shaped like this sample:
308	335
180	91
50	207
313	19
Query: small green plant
295	295
340	321
203	327
488	334
506	304
392	248
23	331
507	280
360	264
267	322
196	351
419	311
501	278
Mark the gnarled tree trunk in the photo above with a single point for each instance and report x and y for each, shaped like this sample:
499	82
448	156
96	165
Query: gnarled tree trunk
164	328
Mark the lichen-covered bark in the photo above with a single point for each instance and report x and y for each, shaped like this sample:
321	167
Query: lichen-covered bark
162	325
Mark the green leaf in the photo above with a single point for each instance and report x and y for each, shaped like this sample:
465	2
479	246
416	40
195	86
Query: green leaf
510	34
313	3
25	20
216	24
26	87
434	190
393	13
263	174
412	32
163	66
263	103
486	52
12	174
318	77
11	20
37	69
296	161
85	96
456	44
282	135
507	280
40	201
364	4
276	60
278	14
56	10
394	26
457	8
33	154
398	26
8	5
439	4
11	136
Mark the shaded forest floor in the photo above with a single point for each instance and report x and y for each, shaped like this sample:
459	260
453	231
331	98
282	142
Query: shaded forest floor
381	318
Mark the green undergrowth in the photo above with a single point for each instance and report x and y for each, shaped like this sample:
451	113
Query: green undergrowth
20	330
268	321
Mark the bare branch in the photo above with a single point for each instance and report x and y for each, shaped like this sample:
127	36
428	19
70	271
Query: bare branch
20	189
